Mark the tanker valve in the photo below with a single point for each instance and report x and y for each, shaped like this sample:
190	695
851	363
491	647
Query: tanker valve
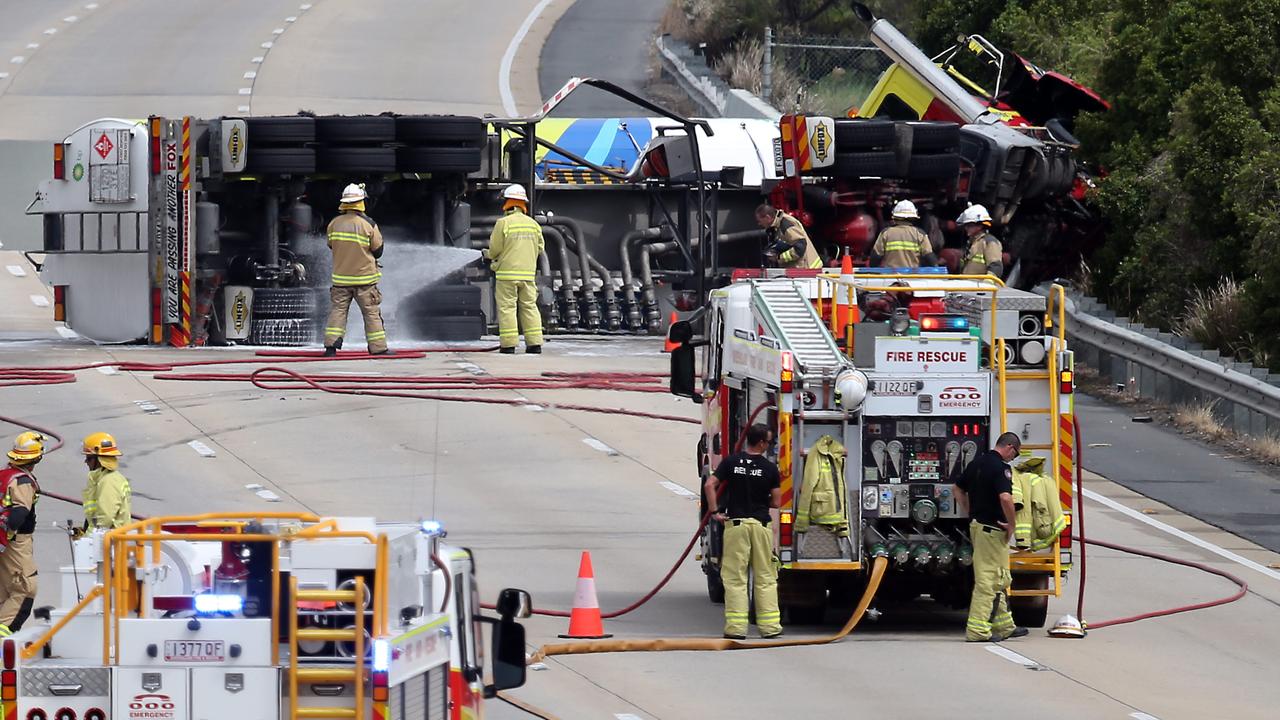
921	555
965	555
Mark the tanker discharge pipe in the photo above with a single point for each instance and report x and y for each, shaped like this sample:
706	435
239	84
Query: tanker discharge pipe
628	292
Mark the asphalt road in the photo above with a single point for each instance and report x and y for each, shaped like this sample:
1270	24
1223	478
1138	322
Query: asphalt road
528	494
607	39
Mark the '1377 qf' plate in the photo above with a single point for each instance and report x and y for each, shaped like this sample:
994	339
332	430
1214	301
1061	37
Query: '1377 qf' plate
194	651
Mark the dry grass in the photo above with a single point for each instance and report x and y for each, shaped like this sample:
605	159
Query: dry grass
1201	420
688	20
1266	448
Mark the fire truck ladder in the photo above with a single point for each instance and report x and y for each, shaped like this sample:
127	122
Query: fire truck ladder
353	674
801	327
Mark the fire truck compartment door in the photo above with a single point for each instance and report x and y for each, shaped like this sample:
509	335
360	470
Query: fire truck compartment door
107	293
241	693
151	694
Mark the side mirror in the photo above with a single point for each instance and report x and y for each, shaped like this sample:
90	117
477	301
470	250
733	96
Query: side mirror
513	603
683	376
508	656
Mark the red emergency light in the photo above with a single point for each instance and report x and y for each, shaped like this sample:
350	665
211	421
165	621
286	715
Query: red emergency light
155	127
786	382
944	323
785	532
59	161
1067	384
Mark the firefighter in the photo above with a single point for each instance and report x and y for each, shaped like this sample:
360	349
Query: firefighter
514	247
106	496
356	244
902	244
986	489
751	494
983	255
18	520
786	242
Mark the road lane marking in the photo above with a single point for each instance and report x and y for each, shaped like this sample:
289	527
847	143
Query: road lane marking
3	75
534	408
508	57
291	19
107	370
16	270
91	6
242	108
39	301
1014	657
51	31
250	75
1142	716
67	332
147	406
305	7
257	60
246	91
680	490
33	46
597	445
70	19
266	45
1164	527
268	495
204	450
626	716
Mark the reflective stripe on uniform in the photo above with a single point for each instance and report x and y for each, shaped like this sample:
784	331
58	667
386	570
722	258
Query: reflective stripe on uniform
356	279
515	275
903	245
334	332
375	335
349	237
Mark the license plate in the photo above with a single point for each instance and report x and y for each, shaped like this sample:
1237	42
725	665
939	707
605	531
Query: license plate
194	651
894	388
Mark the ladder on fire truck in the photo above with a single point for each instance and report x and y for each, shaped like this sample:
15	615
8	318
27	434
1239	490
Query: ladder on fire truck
300	604
1055	335
801	327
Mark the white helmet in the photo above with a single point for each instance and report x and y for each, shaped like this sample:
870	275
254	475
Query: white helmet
353	193
974	214
1067	627
905	210
515	192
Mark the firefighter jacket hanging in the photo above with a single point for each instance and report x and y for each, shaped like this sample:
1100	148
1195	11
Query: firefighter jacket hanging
822	495
1039	518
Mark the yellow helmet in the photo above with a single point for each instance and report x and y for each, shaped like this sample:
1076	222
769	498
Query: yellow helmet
28	447
102	445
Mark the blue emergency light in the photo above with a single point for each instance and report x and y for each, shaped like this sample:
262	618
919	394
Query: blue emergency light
209	604
381	655
938	270
944	323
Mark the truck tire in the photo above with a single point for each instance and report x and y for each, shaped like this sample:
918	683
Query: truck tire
866	164
438	159
857	135
284	303
356	159
286	332
1033	611
455	328
281	161
288	130
440	130
934	167
362	129
934	137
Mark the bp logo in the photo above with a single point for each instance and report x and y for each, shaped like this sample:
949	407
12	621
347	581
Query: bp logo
77	172
821	142
240	311
235	145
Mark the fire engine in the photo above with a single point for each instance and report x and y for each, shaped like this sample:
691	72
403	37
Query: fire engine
914	375
264	616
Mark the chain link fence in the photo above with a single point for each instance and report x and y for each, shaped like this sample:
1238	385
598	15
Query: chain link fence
819	75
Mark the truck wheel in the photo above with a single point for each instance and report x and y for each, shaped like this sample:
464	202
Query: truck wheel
1030	611
282	331
281	161
934	167
446	130
284	303
363	129
934	137
866	164
438	159
292	129
715	587
856	135
356	159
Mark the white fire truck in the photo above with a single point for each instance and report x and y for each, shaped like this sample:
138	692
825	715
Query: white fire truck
264	616
914	375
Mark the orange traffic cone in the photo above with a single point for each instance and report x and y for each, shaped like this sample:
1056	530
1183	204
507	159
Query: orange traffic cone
585	622
668	346
846	265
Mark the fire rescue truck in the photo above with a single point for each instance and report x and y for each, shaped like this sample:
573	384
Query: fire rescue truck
914	375
264	616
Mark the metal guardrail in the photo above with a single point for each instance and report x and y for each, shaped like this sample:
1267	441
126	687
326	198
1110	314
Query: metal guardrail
1151	368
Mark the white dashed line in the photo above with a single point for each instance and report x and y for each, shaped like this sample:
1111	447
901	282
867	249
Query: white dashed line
305	7
597	445
534	408
257	60
17	59
250	75
471	367
266	45
291	19
278	31
1203	544
68	333
16	270
33	46
625	716
106	370
1142	716
39	301
3	75
147	406
70	19
204	450
91	6
246	91
268	496
680	490
51	31
1014	657
242	108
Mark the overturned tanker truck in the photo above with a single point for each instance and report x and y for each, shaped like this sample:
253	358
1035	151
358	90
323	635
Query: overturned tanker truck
187	231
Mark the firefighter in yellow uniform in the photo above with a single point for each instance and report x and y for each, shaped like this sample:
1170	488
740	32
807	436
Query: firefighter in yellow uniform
20	491
902	244
107	494
514	247
983	254
986	489
745	491
356	244
787	243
